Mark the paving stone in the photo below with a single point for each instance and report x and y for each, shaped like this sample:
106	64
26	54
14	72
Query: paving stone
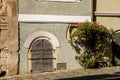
73	74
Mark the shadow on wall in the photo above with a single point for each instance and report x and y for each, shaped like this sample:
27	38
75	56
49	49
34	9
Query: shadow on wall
116	49
3	73
116	54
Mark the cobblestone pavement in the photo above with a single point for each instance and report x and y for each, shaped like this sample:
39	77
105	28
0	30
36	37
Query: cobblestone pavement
108	73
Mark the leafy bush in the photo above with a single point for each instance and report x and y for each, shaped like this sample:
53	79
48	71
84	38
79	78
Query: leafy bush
95	39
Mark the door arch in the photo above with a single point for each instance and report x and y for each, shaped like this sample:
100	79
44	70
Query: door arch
41	56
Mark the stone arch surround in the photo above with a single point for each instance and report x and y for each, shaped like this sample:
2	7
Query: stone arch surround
37	34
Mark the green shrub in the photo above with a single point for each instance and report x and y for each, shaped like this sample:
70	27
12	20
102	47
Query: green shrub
95	39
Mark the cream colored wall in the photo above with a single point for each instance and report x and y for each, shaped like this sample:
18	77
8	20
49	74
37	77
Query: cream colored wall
108	6
110	22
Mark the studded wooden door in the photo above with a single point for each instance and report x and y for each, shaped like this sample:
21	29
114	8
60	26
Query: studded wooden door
42	56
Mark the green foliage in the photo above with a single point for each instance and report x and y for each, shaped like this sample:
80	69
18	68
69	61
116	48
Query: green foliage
95	39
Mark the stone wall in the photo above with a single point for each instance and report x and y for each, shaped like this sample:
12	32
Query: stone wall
109	73
8	37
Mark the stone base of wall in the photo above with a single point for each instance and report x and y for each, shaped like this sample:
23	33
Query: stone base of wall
76	74
8	62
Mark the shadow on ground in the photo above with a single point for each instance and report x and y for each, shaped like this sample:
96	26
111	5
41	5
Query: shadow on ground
115	76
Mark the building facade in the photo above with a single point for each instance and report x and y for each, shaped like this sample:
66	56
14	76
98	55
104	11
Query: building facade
42	30
33	32
107	13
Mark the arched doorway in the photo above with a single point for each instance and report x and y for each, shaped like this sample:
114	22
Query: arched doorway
41	56
35	39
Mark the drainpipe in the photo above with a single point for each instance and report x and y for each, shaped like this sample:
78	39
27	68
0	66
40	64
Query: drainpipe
92	11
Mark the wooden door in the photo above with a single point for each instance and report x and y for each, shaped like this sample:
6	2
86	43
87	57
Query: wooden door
42	56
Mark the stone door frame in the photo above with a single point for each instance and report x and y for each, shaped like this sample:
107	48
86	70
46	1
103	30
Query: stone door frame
30	55
41	35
